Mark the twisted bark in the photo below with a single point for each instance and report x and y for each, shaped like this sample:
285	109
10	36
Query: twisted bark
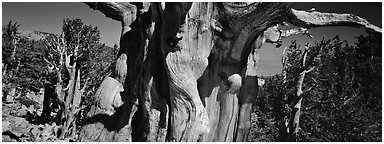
178	58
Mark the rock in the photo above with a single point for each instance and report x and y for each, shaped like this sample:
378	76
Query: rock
35	131
5	125
19	120
22	111
10	96
6	138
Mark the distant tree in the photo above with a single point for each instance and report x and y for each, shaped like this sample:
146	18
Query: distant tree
11	37
336	109
22	62
268	110
340	107
368	69
29	71
69	58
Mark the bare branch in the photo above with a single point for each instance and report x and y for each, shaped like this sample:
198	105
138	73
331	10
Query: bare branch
67	86
318	19
79	56
50	63
275	35
305	53
314	80
290	32
307	34
305	92
284	58
114	10
302	95
52	45
304	68
307	71
349	99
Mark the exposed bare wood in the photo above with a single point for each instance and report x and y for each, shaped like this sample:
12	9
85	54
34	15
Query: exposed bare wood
68	66
317	19
78	93
290	32
229	110
120	70
120	11
308	70
113	10
107	102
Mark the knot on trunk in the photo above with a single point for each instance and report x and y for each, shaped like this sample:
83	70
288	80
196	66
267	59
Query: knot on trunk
108	96
234	82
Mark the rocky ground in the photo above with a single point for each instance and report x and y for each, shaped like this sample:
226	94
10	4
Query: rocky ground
20	119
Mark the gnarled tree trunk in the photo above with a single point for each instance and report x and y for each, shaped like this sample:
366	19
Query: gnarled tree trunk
191	68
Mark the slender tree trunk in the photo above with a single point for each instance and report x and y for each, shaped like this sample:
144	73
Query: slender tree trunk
294	122
280	105
13	55
294	118
14	50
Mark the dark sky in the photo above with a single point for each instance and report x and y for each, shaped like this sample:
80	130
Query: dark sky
48	17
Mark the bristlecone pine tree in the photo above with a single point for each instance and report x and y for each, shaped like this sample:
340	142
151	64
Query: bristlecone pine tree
191	68
66	53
